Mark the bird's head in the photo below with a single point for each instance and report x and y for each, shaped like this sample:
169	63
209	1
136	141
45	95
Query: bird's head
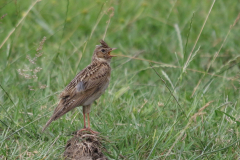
102	53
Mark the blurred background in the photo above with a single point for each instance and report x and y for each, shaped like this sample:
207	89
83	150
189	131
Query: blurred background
192	45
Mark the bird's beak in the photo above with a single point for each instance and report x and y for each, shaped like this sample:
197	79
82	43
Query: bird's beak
111	51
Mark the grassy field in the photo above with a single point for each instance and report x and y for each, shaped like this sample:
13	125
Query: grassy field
193	113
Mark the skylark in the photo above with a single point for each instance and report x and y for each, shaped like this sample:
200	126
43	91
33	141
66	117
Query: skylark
88	85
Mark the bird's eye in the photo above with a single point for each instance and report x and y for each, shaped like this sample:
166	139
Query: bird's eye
103	50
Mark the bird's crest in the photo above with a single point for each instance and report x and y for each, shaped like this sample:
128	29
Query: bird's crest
104	44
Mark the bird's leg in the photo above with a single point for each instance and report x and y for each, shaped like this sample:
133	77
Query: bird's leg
88	120
84	118
89	129
86	109
84	125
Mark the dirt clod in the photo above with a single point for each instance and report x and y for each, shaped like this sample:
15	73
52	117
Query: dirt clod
84	146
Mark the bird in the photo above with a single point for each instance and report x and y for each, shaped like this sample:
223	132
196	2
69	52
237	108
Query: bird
87	86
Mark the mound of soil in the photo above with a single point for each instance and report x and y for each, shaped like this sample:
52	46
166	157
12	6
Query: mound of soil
84	146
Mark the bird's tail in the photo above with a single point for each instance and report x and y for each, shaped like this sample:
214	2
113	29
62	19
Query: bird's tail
57	114
48	122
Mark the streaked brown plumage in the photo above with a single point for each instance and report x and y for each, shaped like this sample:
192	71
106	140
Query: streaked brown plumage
88	85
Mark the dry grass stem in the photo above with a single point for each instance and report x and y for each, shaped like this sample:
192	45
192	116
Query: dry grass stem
52	144
32	73
190	55
186	127
173	66
3	16
11	32
111	14
200	111
216	54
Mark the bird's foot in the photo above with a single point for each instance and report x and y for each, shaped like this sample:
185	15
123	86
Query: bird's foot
87	129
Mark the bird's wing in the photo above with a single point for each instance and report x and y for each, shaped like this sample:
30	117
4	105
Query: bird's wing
90	77
94	80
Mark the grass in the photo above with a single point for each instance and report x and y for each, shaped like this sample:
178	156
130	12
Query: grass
190	45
